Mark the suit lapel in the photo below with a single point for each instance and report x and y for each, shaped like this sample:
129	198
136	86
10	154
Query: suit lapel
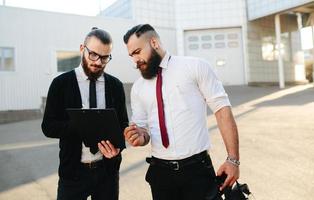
76	91
108	92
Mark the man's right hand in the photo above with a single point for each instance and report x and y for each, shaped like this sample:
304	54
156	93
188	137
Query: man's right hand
136	136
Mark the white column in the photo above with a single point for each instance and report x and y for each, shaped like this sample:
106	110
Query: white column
312	52
299	20
278	43
299	68
247	77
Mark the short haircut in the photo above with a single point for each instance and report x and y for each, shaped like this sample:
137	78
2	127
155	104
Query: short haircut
139	30
100	34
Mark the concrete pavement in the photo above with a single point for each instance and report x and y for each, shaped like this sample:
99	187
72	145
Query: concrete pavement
276	144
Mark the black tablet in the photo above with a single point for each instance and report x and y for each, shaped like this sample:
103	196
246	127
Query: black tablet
95	125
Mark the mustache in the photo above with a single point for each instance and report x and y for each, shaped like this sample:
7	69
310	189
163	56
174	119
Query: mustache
139	63
94	65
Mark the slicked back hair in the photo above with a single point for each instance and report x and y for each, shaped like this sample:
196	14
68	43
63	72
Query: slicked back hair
100	34
139	30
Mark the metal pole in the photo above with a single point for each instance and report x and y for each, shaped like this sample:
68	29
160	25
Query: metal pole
313	53
3	2
99	3
299	20
300	25
278	43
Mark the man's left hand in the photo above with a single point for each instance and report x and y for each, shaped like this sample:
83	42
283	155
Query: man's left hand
232	173
107	149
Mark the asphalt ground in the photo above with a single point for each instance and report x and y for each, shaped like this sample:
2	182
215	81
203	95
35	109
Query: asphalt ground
276	145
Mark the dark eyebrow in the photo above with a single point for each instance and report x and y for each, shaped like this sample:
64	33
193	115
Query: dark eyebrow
102	56
131	54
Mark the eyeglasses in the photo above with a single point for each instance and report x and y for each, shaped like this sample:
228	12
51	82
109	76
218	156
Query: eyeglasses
94	56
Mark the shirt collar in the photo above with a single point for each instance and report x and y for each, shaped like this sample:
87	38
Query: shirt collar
82	76
164	62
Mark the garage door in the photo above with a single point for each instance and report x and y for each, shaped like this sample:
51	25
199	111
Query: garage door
223	50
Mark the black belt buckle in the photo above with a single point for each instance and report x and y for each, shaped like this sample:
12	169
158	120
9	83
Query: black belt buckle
175	165
148	160
92	165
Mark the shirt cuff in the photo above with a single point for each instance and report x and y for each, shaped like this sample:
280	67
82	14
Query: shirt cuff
218	103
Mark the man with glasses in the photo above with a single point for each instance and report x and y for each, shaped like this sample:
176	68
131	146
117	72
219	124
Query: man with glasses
169	104
85	171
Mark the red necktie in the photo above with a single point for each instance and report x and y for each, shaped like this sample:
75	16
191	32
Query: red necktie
161	114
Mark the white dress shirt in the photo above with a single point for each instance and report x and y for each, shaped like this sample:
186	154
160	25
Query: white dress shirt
188	86
83	83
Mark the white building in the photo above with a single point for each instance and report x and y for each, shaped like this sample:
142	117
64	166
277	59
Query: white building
36	46
238	38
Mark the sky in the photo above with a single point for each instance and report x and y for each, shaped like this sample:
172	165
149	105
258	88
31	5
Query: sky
80	7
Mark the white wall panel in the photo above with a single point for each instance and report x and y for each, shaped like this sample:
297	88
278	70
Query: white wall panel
258	8
156	12
222	48
209	13
36	36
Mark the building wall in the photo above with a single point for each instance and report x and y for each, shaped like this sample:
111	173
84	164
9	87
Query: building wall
204	14
263	63
182	15
120	8
40	34
212	15
258	8
156	12
200	14
36	36
222	48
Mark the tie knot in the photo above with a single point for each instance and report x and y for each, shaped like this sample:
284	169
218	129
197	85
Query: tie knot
159	70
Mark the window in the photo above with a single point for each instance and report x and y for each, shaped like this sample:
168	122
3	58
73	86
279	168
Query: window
193	39
233	44
220	45
193	46
6	59
232	36
206	37
67	60
270	49
220	37
220	62
206	45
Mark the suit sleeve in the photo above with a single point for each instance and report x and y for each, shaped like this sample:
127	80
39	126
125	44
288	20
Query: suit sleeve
122	113
55	122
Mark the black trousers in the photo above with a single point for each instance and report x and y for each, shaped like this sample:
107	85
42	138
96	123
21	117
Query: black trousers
101	183
193	182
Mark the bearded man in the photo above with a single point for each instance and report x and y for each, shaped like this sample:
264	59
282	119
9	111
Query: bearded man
85	171
169	104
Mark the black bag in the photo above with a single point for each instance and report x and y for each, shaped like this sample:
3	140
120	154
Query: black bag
237	192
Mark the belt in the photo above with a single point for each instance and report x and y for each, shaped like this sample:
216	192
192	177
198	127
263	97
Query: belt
178	164
94	165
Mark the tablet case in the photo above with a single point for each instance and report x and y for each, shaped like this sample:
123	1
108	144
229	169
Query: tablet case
95	125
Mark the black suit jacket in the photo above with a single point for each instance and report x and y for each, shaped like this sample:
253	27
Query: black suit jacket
64	93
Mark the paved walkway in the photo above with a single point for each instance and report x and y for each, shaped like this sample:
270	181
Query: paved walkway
276	144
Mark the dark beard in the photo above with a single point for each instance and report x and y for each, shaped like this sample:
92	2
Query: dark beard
89	74
152	65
